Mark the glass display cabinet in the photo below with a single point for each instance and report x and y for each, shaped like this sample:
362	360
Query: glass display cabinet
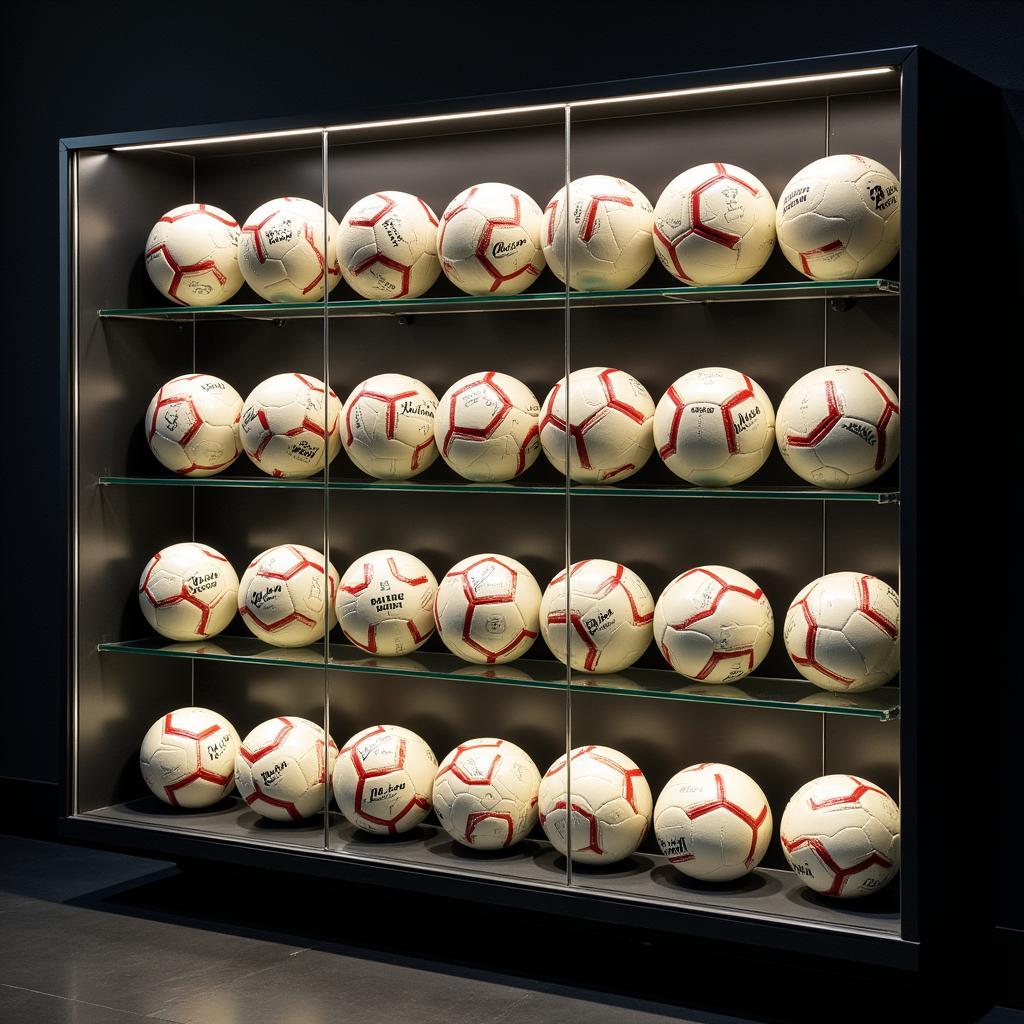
123	340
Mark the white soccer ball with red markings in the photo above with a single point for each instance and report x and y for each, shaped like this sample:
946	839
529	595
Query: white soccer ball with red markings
282	253
842	632
285	429
489	240
840	218
841	835
485	794
714	427
385	602
486	427
602	810
282	767
839	427
192	424
713	822
384	778
187	591
713	624
714	224
610	615
487	609
610	223
192	255
284	595
188	757
610	424
387	246
388	426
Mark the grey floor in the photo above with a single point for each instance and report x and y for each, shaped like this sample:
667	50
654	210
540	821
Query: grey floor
92	937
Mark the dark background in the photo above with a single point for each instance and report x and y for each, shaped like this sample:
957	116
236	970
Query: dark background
79	68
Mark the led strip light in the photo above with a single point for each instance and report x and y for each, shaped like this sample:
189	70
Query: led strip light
403	122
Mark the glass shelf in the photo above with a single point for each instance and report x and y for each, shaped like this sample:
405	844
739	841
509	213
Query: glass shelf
873	287
788	694
456	486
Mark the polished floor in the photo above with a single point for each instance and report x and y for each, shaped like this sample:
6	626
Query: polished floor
92	937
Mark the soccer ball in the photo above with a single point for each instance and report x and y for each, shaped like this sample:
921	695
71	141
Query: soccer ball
713	624
610	423
714	224
610	805
487	609
385	602
383	779
285	429
485	794
842	632
387	246
486	427
489	240
192	255
611	233
192	424
188	757
840	218
283	596
839	427
187	592
282	253
714	427
389	426
713	822
282	767
611	611
841	835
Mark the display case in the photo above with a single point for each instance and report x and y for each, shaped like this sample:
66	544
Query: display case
122	341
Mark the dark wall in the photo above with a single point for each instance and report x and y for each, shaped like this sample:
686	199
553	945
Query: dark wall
79	68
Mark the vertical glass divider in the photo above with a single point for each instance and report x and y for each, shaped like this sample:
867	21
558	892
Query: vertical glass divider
567	334
328	595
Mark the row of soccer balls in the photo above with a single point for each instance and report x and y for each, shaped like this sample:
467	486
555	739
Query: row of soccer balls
714	224
711	623
840	833
837	426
